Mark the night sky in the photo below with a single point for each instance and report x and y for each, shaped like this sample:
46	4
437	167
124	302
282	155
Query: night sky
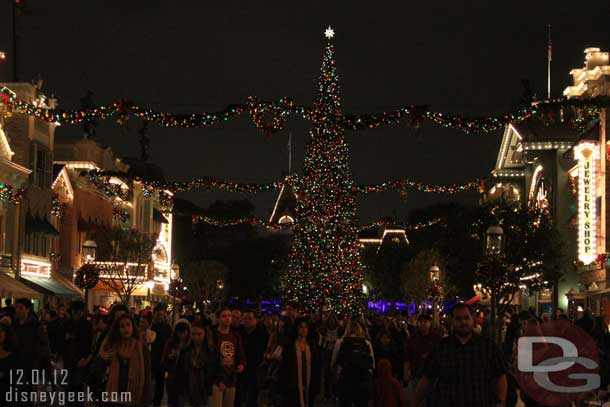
464	57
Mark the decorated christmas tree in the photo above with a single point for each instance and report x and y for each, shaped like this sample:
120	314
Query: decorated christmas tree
324	263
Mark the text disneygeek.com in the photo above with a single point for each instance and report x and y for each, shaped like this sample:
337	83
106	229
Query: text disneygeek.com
60	398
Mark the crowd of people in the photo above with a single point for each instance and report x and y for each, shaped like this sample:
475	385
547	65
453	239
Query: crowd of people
237	358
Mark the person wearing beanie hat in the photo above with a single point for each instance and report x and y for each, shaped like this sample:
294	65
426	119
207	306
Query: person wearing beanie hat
417	350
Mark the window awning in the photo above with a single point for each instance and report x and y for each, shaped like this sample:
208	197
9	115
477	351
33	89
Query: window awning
159	217
39	225
49	287
10	287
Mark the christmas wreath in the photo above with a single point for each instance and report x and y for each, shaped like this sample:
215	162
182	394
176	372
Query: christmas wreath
86	277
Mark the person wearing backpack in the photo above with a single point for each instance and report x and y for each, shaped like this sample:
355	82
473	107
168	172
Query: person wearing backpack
354	362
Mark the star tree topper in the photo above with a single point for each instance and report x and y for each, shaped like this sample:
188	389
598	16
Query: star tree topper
329	33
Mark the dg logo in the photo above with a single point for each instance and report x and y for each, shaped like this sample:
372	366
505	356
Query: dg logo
556	363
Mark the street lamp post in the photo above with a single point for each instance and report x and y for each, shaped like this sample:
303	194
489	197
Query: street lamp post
150	284
494	237
435	292
89	251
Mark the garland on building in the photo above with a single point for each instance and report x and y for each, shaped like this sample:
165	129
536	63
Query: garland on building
241	221
406	184
10	195
56	208
580	112
122	215
87	276
109	188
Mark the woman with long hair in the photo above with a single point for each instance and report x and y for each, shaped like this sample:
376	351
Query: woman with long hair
195	369
278	340
300	368
354	362
181	337
129	363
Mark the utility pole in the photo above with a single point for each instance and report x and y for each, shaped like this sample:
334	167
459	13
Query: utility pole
13	5
549	59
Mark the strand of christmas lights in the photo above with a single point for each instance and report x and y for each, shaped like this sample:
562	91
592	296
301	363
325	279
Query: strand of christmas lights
280	110
405	184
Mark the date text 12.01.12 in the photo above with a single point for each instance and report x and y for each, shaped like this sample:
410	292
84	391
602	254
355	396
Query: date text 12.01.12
36	377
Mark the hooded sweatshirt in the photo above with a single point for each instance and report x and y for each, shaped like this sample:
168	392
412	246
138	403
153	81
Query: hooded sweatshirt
387	390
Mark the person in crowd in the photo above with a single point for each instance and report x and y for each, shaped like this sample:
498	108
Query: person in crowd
56	332
291	311
268	323
180	339
477	326
299	368
469	369
255	339
385	347
328	337
278	341
62	314
163	332
195	369
32	348
586	322
602	338
387	391
546	317
231	359
79	335
8	359
8	308
513	332
128	361
354	361
558	313
147	335
118	310
417	350
236	321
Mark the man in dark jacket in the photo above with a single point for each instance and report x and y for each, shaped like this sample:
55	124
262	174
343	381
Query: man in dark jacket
79	335
32	345
163	332
254	338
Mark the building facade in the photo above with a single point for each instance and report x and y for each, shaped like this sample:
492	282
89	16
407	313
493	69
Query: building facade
35	257
89	212
556	162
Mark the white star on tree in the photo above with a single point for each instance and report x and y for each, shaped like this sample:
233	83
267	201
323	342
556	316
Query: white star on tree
329	33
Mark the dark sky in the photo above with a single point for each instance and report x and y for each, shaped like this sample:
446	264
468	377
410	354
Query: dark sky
463	57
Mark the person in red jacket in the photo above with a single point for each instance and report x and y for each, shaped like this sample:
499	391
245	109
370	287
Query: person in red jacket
387	391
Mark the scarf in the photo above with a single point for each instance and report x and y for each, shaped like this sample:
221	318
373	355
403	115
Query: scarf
132	351
303	385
